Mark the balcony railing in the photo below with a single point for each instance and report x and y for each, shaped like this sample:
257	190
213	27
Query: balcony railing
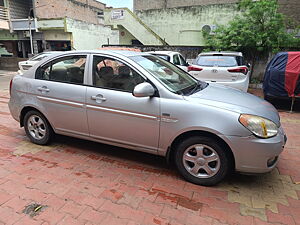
3	13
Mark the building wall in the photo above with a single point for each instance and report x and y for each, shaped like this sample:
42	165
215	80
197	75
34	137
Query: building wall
84	10
291	8
89	36
125	36
160	4
183	26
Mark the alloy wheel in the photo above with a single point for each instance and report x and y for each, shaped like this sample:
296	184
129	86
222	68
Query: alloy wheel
201	161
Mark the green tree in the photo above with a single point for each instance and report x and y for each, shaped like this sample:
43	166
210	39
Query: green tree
258	29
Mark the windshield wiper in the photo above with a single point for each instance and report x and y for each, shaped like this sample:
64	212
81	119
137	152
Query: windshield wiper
199	86
195	88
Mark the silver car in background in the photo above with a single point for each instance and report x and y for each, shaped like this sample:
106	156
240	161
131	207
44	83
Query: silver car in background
141	102
226	68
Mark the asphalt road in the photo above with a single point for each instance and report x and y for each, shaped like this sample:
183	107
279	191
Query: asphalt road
5	77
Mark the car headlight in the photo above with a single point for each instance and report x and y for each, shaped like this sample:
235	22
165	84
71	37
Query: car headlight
259	126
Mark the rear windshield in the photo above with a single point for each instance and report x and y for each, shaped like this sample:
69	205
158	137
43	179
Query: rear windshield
40	56
220	61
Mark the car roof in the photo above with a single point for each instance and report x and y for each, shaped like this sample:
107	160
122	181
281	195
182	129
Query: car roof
225	53
112	52
163	52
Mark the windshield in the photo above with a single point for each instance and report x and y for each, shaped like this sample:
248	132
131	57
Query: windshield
175	79
219	61
40	56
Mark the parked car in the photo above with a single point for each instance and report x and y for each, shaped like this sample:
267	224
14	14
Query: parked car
282	77
226	68
26	65
142	102
173	57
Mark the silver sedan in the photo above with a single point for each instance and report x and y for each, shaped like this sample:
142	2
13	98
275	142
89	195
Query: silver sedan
141	102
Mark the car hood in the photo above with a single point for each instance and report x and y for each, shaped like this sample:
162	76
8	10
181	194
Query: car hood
236	101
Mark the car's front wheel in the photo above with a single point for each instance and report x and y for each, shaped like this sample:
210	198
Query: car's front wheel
37	128
202	160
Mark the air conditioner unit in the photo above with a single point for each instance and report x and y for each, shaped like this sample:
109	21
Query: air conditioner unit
210	29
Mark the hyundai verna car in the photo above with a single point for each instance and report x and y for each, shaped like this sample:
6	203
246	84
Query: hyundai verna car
142	102
226	68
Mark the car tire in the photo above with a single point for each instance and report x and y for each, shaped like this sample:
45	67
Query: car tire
37	128
202	160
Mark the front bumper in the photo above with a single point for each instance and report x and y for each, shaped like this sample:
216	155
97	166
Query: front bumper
256	155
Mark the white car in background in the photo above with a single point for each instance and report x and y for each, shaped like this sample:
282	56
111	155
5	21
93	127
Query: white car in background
226	68
26	65
174	57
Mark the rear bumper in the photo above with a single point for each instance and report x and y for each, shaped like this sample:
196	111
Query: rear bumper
237	84
14	110
240	84
255	155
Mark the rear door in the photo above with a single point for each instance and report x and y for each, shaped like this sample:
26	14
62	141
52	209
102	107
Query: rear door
60	93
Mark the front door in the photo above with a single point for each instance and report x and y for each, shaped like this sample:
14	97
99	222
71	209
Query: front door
60	93
114	114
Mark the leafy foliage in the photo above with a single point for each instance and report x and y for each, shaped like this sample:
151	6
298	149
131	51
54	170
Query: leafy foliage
259	27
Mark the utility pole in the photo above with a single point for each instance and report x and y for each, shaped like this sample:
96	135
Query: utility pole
30	34
30	17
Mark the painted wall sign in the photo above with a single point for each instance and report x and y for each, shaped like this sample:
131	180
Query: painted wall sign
118	14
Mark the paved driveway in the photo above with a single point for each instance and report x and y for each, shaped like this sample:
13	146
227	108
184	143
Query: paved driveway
80	182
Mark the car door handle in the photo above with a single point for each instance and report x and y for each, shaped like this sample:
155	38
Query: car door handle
43	89
98	98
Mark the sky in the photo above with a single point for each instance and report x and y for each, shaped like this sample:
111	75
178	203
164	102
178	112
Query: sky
118	3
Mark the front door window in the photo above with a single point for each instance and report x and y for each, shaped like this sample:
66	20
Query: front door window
113	74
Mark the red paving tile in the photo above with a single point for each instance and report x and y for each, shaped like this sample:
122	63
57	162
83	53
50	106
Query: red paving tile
88	183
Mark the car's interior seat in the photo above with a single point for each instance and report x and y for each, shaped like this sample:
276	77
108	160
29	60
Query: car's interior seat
59	74
104	76
75	75
124	80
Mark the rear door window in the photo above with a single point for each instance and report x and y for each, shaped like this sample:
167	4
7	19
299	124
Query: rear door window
176	60
182	61
68	69
217	61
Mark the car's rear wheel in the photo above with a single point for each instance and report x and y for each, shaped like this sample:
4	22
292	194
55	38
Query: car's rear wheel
202	160
37	128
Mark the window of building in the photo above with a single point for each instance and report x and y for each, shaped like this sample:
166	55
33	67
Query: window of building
100	16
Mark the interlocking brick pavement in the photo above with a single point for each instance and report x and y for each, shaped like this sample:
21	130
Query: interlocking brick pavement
83	182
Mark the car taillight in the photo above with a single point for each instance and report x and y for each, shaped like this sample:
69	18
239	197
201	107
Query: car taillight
194	68
243	70
10	86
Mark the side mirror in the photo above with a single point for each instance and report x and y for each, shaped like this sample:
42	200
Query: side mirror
248	65
143	90
187	64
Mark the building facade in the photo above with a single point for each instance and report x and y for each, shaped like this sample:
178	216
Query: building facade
181	23
290	8
33	26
